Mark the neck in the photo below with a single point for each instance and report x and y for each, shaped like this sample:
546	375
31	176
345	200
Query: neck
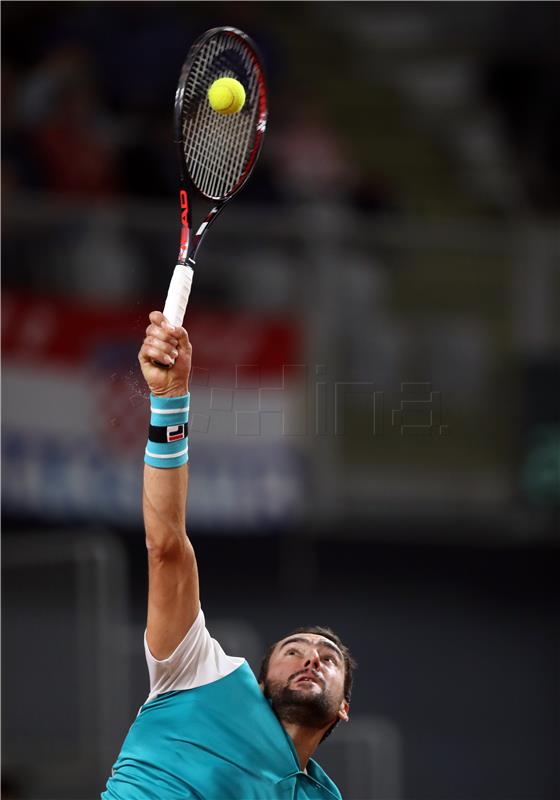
306	740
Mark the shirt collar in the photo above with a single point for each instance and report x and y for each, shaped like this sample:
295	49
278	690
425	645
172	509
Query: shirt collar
313	771
318	774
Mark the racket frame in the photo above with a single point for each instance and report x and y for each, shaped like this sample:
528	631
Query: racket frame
189	242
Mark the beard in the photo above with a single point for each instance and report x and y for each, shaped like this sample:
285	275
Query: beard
315	710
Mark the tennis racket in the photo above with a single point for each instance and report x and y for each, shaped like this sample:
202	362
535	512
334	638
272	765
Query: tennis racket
217	152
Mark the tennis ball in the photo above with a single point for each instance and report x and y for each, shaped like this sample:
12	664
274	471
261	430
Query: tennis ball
226	96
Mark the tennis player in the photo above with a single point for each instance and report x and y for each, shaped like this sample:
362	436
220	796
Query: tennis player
209	729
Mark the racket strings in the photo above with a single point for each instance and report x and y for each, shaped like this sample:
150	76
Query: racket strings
218	147
199	150
242	146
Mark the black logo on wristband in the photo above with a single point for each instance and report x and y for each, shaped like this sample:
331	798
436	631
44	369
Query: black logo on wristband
168	433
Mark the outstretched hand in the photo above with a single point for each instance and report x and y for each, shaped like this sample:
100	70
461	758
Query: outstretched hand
170	346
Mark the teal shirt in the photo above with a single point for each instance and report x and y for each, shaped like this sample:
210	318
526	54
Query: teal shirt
219	741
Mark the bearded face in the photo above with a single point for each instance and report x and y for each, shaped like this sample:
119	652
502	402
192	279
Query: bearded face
305	682
301	704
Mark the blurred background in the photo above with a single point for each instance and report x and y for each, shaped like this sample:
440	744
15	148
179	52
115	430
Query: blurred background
375	431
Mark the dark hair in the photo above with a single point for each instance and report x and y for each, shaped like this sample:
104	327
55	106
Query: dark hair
349	663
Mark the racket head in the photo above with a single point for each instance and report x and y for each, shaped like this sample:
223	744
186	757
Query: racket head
218	152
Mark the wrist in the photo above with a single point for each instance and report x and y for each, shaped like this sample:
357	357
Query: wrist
172	391
168	444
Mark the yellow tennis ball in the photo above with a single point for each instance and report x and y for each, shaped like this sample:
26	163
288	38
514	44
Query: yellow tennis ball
226	96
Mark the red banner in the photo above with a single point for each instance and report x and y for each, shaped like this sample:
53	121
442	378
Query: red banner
41	329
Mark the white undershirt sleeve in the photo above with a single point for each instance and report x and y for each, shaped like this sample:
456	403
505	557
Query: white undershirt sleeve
196	661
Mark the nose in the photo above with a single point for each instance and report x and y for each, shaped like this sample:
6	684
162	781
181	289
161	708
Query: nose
313	660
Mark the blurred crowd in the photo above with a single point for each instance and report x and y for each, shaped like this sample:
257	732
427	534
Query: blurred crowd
87	101
87	96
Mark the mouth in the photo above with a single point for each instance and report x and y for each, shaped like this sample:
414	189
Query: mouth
308	679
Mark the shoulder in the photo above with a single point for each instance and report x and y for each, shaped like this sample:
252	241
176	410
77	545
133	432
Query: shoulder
196	661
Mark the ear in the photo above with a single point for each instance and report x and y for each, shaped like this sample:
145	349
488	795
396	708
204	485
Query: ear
343	711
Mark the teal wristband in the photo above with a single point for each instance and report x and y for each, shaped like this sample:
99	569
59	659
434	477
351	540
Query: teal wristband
168	441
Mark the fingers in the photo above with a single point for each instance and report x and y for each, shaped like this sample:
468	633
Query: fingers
165	335
163	341
157	318
159	351
183	338
154	350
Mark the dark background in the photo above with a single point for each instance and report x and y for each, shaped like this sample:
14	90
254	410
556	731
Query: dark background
399	242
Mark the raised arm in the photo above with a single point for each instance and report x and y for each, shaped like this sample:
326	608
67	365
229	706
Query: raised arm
173	596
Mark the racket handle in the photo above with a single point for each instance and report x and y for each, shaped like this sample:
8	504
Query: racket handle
178	294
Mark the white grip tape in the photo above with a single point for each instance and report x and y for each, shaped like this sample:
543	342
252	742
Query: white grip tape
178	294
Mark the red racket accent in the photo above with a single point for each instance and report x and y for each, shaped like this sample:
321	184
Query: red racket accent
184	203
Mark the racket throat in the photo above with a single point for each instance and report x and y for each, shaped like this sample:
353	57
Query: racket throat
197	237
